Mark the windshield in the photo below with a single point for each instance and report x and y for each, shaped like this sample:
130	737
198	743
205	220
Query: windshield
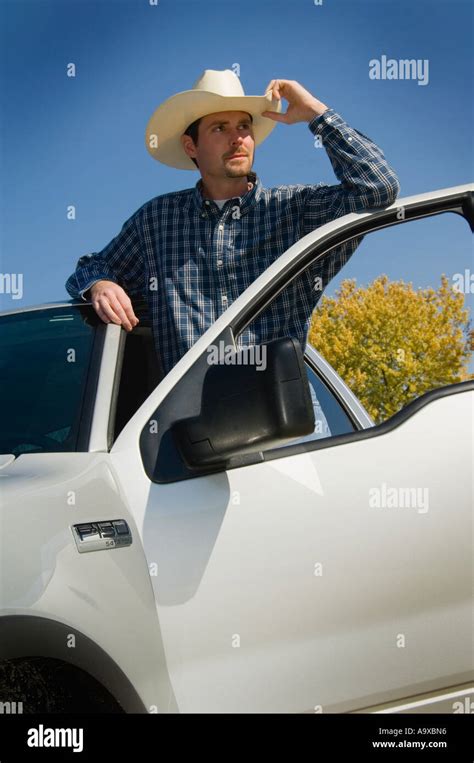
44	362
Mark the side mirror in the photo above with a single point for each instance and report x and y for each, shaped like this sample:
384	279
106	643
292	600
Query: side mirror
246	407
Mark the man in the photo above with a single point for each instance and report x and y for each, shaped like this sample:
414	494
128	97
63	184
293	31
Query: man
191	253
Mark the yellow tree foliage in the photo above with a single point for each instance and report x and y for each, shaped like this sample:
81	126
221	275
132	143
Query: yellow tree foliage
391	343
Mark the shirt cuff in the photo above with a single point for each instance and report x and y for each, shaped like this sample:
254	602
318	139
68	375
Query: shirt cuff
89	285
326	121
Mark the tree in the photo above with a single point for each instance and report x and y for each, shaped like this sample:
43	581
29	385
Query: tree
391	343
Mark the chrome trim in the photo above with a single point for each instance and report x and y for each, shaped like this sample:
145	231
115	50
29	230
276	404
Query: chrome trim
428	700
340	389
45	306
434	701
6	459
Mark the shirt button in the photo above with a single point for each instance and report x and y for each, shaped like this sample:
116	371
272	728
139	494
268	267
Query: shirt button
207	202
219	262
349	139
224	297
221	227
203	214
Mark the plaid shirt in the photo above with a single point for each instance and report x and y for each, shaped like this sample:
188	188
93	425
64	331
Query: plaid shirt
190	260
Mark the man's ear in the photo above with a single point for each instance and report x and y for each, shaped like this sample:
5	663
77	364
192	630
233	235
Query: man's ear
188	146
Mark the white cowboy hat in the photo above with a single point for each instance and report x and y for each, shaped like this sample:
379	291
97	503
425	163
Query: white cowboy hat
213	91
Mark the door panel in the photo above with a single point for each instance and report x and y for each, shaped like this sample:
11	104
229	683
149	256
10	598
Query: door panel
251	623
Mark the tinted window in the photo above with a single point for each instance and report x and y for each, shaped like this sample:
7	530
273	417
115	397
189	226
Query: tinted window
330	417
44	360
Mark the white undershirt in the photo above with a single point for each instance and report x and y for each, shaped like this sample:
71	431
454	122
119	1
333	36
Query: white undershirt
220	202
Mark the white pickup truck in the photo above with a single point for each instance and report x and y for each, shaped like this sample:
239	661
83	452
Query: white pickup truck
195	543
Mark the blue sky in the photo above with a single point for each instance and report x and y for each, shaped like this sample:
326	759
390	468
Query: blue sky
81	140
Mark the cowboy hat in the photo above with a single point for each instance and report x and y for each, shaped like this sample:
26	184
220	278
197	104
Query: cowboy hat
213	91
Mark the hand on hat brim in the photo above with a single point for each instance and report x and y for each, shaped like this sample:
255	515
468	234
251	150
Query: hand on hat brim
302	106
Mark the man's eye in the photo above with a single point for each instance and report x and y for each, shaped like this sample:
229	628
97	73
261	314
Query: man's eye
221	127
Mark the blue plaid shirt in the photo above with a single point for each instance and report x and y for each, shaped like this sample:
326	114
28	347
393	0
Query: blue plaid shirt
190	260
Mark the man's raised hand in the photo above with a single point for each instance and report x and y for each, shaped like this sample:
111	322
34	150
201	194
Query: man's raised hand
302	106
112	304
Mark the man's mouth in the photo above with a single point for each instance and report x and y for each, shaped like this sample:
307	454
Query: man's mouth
237	156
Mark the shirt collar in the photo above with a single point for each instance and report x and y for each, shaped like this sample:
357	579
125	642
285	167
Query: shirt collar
245	202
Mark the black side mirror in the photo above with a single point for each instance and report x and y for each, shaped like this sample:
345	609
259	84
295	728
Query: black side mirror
246	406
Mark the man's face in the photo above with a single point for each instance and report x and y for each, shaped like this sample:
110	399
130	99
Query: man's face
221	135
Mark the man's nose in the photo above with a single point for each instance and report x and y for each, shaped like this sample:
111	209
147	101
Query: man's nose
237	137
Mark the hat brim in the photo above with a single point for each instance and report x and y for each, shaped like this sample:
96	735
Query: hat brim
168	123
